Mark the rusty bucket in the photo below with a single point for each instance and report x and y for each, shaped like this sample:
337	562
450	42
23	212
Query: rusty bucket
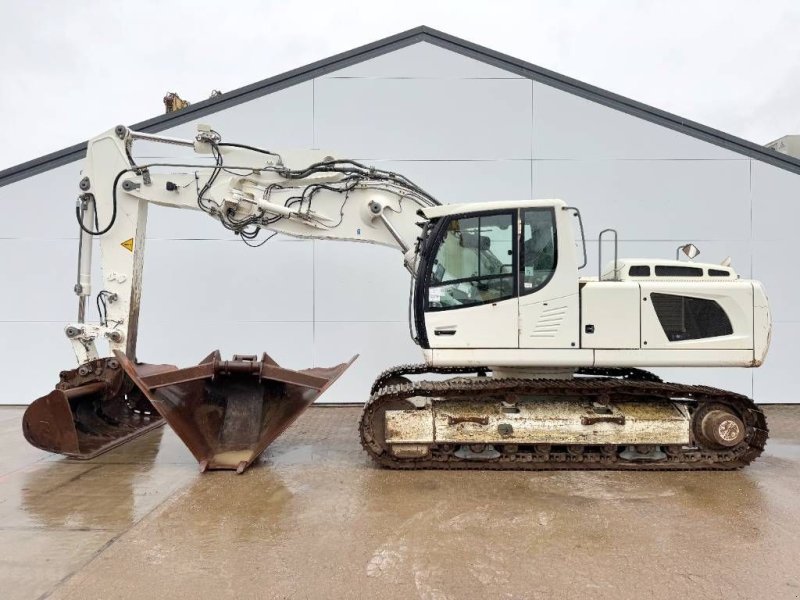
93	409
228	411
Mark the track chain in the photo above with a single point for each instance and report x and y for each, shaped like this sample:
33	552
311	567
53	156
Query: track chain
422	368
628	374
531	457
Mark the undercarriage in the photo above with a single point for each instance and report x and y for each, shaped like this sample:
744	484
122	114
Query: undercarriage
626	419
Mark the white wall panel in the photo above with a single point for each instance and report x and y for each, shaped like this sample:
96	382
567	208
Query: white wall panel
379	346
43	206
359	282
424	118
463	130
211	280
423	60
776	203
774	382
568	126
689	200
773	266
776	211
37	278
33	354
185	343
456	181
172	224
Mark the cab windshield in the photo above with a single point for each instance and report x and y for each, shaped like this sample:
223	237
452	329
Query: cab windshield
474	262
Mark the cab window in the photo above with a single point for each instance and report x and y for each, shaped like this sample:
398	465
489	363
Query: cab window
474	262
539	249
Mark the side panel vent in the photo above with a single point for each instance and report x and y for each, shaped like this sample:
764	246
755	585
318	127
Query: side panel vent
549	322
687	318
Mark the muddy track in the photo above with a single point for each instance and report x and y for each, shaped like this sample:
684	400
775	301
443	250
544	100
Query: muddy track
391	374
629	385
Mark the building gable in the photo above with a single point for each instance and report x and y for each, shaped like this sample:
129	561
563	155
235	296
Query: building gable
355	63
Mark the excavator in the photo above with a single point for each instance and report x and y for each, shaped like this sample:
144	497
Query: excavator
527	365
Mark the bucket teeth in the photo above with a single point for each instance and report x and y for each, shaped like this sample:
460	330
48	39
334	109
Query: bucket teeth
92	410
228	411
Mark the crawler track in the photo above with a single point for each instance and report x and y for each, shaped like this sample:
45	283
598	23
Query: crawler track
620	384
391	375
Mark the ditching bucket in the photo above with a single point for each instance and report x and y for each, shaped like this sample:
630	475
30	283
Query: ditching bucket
228	411
93	409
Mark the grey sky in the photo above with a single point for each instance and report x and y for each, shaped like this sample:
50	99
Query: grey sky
74	68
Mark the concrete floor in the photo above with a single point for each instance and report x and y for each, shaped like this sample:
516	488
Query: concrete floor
314	519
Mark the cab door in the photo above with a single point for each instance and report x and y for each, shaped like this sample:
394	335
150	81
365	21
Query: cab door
471	282
549	305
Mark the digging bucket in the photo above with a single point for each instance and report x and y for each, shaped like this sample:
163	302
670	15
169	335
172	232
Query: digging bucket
228	411
92	409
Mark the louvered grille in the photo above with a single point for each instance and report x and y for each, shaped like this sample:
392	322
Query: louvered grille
688	318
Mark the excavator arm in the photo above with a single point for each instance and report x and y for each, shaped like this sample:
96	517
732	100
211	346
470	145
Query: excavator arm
226	411
302	194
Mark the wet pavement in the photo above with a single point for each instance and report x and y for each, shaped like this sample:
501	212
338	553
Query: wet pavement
314	519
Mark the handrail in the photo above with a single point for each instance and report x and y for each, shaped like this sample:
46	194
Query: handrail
583	236
600	254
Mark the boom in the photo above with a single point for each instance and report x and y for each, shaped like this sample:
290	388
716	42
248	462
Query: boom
302	194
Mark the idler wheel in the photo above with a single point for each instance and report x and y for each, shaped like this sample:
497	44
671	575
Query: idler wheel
718	427
722	428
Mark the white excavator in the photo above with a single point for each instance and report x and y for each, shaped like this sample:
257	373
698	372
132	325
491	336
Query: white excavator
526	364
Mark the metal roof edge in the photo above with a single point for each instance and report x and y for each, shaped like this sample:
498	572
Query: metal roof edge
395	42
226	100
612	100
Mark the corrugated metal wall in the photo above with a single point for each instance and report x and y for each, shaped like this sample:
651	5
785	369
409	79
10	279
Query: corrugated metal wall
465	131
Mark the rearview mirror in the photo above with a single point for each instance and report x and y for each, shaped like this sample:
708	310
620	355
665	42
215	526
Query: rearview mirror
689	250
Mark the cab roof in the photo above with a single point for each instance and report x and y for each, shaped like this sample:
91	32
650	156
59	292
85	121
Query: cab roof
445	210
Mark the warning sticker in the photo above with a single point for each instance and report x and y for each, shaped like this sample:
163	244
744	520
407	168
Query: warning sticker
128	245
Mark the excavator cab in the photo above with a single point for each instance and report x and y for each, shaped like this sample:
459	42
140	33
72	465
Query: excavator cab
483	273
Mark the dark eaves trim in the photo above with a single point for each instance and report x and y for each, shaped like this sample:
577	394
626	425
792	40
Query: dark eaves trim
401	40
612	100
226	100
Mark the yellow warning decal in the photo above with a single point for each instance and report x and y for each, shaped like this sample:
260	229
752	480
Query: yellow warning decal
128	244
